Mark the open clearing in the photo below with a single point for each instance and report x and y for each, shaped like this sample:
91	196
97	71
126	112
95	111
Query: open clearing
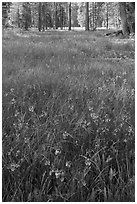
68	116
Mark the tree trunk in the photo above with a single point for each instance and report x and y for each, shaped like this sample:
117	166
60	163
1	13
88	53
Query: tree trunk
95	11
93	17
43	17
131	17
87	17
107	16
123	15
56	16
18	18
40	19
61	17
46	15
70	16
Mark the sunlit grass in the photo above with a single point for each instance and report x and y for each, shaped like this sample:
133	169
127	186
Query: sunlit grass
68	117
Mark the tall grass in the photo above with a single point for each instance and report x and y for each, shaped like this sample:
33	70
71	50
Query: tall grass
68	117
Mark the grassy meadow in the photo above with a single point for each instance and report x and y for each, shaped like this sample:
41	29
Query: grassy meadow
68	117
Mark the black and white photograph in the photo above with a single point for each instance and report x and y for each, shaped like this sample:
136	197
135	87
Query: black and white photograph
68	101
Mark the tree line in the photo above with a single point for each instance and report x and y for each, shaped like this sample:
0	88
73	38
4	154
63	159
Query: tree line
54	15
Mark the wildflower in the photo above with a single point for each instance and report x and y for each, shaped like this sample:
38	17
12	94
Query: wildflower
13	101
112	173
88	162
31	108
58	151
124	73
6	94
72	107
84	183
124	81
99	88
16	113
65	135
20	125
17	153
13	166
88	123
125	140
47	163
26	140
90	108
132	180
133	92
68	164
93	116
59	174
9	153
11	89
108	159
76	142
44	114
62	179
107	120
50	173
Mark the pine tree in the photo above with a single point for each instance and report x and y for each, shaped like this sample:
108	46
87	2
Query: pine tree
26	15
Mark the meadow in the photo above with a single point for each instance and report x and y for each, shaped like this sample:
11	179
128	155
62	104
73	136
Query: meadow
68	117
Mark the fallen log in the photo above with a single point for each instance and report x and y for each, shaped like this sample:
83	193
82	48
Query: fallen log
116	33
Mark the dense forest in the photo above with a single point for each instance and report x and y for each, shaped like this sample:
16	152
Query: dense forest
91	15
68	101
